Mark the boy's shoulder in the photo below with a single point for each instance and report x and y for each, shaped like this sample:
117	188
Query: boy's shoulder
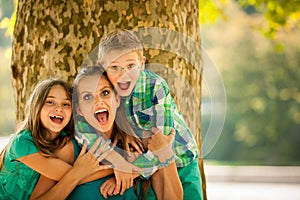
147	74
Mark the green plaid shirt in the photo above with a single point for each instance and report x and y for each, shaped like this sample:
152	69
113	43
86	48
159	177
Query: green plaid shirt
85	134
151	105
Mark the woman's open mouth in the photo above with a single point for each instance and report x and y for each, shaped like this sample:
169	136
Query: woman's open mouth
102	116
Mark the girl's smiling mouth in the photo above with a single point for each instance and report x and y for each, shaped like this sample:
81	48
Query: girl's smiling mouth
56	119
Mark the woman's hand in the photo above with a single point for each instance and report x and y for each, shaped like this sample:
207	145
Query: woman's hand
124	176
108	187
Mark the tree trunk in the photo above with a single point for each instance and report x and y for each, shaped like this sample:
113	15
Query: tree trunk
53	38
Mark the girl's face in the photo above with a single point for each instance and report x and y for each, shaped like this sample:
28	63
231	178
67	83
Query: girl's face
123	70
56	111
97	103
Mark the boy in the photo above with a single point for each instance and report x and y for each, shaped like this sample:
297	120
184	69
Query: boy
148	103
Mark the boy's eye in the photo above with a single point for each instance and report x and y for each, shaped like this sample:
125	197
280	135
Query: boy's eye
131	66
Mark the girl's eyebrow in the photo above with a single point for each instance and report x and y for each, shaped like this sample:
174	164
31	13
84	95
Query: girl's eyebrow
53	97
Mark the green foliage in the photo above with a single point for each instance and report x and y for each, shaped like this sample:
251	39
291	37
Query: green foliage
278	14
262	88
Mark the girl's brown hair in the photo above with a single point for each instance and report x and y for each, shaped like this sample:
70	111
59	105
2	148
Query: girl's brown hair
33	123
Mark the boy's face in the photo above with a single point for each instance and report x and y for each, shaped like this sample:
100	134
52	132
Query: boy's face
98	103
123	68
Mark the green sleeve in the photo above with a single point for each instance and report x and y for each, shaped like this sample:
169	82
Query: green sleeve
23	145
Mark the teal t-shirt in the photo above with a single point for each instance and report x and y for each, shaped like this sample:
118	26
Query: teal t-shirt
91	190
17	180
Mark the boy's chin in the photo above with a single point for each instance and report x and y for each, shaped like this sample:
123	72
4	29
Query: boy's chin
124	93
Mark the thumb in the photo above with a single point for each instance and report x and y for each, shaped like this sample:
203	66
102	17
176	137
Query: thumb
155	130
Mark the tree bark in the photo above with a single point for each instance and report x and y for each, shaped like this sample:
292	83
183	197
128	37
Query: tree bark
52	39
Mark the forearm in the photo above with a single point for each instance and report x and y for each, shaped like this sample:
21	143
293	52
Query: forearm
98	175
166	183
57	190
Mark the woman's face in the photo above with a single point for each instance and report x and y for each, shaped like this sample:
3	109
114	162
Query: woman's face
56	111
97	103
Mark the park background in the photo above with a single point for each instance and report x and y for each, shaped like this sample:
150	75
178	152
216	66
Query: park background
258	149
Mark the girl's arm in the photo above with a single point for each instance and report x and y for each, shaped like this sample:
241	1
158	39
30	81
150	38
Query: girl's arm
56	168
84	166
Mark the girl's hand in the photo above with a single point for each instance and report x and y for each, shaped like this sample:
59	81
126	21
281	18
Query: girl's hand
86	164
108	187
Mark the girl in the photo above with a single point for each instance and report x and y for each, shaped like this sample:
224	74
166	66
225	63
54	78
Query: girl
46	132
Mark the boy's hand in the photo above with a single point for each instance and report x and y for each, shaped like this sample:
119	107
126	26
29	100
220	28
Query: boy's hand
161	145
108	187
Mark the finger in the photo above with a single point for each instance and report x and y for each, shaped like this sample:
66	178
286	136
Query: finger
118	186
127	147
103	147
103	155
155	130
102	189
110	190
123	188
136	169
83	150
115	143
137	147
95	145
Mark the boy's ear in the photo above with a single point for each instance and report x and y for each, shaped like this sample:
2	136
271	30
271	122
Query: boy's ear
143	63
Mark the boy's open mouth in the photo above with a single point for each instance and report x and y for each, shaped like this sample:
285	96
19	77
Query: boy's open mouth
56	119
102	115
124	86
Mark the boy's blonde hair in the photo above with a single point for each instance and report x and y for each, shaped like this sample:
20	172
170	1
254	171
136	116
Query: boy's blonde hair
119	39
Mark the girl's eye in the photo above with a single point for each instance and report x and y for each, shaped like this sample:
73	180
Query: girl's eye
49	102
87	97
67	105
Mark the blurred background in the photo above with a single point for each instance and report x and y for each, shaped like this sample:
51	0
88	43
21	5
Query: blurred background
257	154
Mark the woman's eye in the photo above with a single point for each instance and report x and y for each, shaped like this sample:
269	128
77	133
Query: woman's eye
105	93
87	97
114	68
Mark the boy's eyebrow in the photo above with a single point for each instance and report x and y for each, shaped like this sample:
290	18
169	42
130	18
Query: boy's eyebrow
131	59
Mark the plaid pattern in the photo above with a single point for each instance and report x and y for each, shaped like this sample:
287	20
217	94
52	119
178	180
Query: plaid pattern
86	134
151	105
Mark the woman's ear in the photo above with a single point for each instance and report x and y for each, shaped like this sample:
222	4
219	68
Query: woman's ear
78	111
118	100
